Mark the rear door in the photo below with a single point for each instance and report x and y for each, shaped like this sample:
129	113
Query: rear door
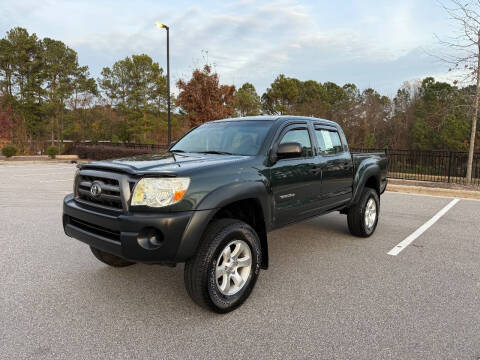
294	181
337	166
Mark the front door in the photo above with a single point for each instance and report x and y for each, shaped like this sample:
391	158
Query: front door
295	181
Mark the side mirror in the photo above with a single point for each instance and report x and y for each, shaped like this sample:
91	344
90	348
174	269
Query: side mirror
289	150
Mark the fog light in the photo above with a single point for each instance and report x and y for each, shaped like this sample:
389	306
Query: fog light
154	240
150	238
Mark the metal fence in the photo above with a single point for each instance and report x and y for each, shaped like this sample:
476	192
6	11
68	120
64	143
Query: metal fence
434	166
39	147
130	145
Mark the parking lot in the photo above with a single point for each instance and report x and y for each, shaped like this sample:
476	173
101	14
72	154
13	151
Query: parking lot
326	295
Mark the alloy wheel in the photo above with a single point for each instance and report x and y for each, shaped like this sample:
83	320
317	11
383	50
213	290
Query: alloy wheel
233	267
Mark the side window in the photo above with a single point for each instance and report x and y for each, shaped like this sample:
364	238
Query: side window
300	136
337	143
328	141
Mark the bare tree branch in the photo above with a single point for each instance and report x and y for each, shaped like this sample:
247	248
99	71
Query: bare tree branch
466	15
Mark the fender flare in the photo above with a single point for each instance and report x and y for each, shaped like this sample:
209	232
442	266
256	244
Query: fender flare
212	203
365	171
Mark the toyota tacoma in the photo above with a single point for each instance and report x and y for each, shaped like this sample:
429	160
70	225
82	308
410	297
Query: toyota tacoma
212	198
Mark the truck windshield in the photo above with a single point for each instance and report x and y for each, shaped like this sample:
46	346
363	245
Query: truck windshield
226	137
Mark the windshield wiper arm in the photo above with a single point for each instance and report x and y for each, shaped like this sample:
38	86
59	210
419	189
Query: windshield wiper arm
216	152
177	151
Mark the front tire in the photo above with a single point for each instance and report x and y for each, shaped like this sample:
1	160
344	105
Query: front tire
110	259
363	217
222	274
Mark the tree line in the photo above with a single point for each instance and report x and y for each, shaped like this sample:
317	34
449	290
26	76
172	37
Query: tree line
47	96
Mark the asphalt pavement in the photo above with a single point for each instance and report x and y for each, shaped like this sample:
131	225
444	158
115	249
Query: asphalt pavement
326	295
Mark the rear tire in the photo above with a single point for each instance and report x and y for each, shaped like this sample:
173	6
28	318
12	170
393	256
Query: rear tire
110	259
223	272
363	217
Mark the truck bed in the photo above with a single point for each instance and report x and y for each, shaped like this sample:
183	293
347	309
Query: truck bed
367	158
358	157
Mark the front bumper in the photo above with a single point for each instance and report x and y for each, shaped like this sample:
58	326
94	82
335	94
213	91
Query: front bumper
118	234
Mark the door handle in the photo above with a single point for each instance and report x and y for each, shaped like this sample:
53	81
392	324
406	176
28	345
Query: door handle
315	170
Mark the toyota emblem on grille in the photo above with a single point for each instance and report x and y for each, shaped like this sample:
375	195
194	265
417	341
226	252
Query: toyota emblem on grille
95	189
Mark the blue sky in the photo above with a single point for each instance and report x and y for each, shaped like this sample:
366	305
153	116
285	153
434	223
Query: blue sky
372	43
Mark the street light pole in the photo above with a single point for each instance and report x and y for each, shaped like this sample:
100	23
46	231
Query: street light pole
160	25
168	86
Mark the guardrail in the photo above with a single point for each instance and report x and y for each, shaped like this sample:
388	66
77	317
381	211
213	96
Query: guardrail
434	166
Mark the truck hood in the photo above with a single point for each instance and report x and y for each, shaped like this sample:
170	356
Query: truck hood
164	164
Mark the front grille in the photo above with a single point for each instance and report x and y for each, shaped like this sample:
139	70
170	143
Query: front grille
109	197
95	229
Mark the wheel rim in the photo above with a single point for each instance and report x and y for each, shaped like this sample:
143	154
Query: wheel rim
370	213
233	267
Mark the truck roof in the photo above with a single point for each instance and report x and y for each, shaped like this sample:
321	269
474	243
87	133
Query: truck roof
277	118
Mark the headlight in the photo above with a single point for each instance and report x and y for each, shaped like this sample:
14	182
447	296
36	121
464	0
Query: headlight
158	192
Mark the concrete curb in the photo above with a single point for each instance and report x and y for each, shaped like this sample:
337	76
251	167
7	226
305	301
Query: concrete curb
421	190
44	162
38	157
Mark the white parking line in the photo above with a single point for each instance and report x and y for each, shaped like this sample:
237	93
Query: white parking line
411	238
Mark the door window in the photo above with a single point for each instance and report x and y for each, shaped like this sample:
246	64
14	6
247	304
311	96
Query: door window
328	141
299	136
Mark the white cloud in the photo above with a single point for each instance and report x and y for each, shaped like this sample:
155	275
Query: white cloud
372	43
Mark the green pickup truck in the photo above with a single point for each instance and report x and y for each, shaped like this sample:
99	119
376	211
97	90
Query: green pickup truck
212	198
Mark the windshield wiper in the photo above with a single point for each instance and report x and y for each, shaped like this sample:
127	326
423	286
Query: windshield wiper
215	152
177	151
